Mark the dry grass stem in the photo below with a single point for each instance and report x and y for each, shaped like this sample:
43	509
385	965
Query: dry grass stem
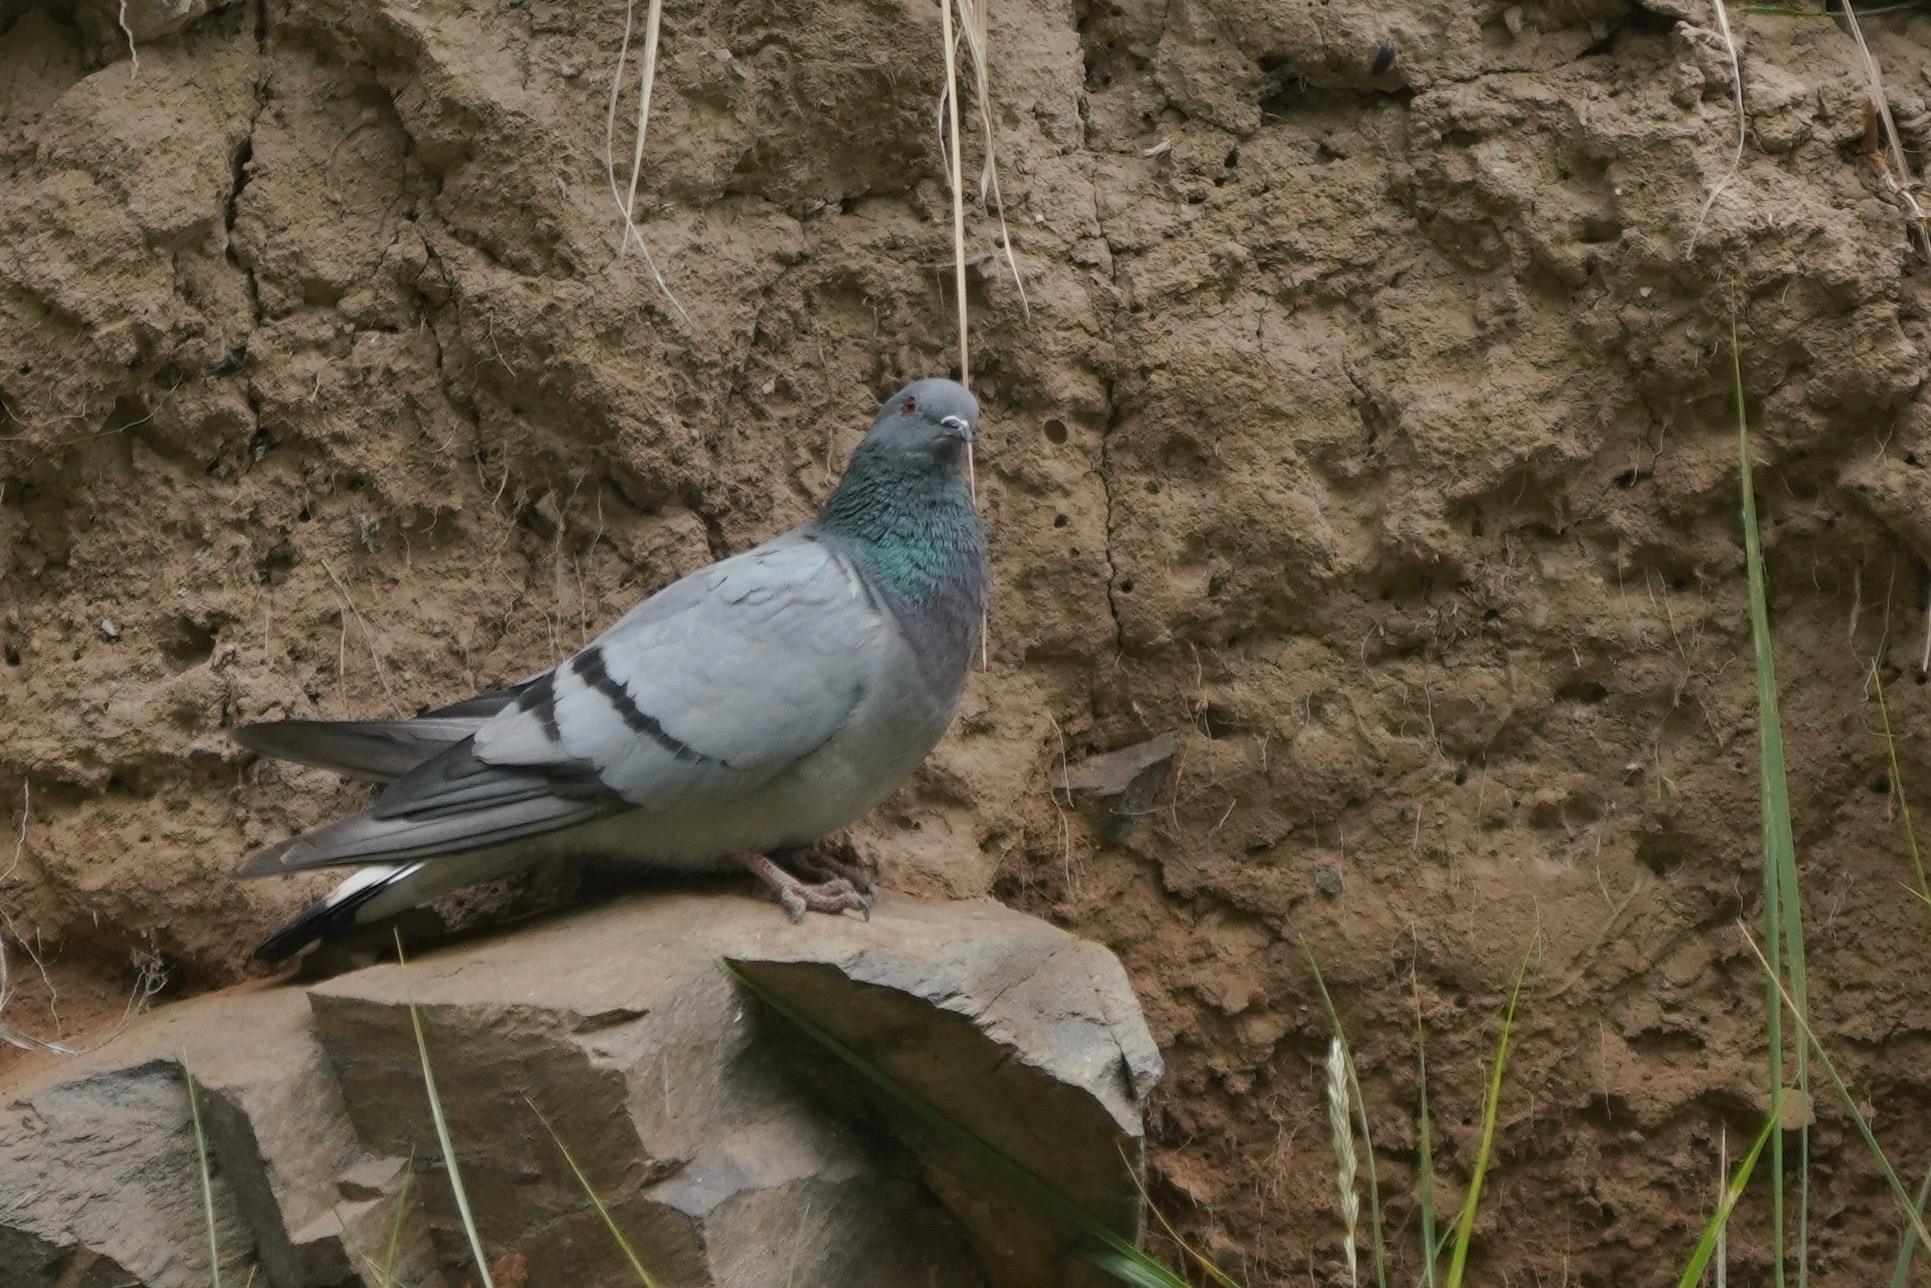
207	1182
1346	1166
627	203
368	637
955	175
1736	158
972	23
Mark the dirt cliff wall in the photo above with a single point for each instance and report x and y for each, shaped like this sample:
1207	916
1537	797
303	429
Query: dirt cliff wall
1372	428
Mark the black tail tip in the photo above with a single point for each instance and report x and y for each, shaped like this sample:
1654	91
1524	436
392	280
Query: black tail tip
313	924
287	941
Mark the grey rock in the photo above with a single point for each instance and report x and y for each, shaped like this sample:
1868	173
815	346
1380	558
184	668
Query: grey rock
1119	788
99	1173
732	1154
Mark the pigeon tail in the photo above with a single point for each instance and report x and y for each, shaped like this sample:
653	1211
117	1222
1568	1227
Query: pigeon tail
334	914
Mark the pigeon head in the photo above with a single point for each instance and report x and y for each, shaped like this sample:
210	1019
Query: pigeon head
903	509
926	424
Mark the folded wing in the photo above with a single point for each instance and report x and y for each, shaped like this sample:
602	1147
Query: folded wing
704	692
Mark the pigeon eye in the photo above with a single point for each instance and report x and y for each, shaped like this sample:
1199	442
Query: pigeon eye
909	406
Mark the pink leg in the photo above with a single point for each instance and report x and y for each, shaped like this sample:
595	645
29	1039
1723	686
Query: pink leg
799	897
809	864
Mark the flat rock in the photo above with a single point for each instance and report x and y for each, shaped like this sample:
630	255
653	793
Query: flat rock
1119	788
728	1150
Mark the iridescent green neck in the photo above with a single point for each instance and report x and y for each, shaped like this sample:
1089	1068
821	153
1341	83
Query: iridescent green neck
913	526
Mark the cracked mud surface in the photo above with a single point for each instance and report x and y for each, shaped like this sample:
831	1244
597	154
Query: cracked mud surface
1371	428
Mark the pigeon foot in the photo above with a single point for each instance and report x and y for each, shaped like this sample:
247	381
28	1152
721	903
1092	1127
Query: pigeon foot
799	897
807	864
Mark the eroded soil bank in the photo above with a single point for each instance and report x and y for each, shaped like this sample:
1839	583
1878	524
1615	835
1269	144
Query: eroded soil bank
1371	428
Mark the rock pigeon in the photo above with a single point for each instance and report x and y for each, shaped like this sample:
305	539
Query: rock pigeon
735	717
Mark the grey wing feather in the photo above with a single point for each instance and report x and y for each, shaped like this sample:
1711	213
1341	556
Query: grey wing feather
452	804
712	687
377	750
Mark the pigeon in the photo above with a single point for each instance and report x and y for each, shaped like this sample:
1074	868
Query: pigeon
734	718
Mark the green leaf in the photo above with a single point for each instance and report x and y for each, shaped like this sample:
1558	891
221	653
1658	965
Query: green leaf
609	1223
1431	1248
1783	919
1705	1246
207	1180
443	1141
1465	1222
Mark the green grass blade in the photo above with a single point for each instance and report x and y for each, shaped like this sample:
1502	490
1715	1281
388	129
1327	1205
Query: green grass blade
1430	1244
1361	1118
1465	1222
1829	1066
1907	1242
395	1228
1907	1246
1782	911
609	1222
1705	1246
207	1180
1207	1267
1131	1268
1112	1253
442	1139
1897	788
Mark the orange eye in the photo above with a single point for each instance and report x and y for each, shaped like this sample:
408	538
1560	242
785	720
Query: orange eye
909	406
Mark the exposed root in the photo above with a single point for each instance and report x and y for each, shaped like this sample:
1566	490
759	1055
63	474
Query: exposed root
1894	169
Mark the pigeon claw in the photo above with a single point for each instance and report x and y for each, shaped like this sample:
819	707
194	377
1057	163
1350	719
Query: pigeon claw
831	893
814	868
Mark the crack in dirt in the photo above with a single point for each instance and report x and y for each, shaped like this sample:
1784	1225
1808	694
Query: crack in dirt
244	155
1113	418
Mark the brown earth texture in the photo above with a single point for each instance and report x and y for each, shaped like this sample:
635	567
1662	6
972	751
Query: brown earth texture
1370	426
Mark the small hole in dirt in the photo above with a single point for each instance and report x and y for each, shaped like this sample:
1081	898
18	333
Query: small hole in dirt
1060	520
304	514
1582	691
1629	477
1056	430
1216	722
12	655
1920	677
1911	458
1126	587
1233	158
1153	487
1461	777
188	643
1662	852
1881	785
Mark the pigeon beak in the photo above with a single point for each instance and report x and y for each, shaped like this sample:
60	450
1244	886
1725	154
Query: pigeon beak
958	428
